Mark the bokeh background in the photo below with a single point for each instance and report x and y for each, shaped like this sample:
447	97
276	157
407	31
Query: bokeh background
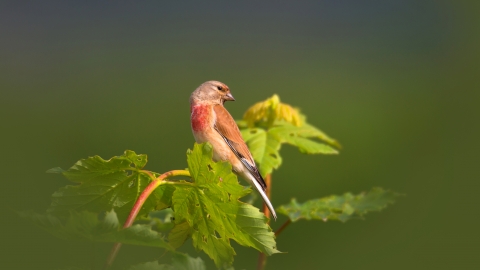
396	82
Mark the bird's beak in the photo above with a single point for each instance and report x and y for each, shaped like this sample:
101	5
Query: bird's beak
229	97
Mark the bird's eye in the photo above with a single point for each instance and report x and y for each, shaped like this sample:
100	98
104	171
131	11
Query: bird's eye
220	88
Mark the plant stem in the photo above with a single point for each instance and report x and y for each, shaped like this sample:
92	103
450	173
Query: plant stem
138	205
284	225
262	261
262	258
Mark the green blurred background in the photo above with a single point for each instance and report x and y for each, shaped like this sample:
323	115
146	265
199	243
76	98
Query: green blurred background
396	82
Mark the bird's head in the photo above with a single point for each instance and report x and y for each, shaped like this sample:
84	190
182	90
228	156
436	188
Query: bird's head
211	92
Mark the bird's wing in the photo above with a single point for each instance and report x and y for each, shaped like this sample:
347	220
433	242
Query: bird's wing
228	129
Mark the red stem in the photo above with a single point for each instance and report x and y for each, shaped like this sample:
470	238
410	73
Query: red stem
138	205
262	260
283	227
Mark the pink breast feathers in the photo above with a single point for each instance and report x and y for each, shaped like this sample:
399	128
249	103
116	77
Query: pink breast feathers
200	117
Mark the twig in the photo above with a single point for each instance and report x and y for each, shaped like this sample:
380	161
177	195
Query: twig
284	225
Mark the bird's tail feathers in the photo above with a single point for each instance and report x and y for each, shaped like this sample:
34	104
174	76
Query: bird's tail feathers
260	190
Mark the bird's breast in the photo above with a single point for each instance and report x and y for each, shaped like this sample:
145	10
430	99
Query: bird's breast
201	117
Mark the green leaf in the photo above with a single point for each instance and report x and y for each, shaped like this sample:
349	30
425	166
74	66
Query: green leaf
265	148
265	143
180	261
105	184
304	137
341	208
56	170
210	211
87	226
179	234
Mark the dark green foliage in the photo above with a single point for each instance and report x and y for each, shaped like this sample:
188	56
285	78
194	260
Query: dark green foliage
87	226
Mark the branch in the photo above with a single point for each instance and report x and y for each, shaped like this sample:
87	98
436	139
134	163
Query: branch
284	225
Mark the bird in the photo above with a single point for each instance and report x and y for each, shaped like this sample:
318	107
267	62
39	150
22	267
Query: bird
211	122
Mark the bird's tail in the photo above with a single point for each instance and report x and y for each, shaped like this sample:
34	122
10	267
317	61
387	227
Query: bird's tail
260	190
